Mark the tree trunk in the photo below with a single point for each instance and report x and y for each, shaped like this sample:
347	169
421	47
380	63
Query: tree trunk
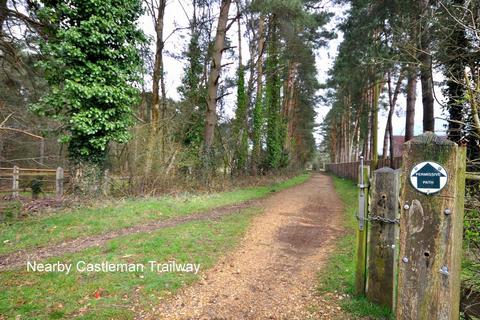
367	138
157	81
258	111
214	76
86	179
252	48
3	14
240	124
377	87
288	103
158	78
427	98
273	88
392	98
411	100
425	59
386	138
356	134
458	47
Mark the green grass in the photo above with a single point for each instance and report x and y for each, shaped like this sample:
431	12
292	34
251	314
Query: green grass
32	295
69	224
339	276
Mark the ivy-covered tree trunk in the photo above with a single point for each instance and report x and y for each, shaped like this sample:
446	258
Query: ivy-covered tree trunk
193	102
86	178
241	122
288	106
273	99
258	117
92	64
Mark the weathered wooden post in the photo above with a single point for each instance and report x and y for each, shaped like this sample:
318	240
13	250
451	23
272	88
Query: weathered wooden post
105	182
383	237
59	178
15	181
361	253
42	151
431	225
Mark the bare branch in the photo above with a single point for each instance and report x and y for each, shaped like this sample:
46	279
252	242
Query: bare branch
5	120
22	131
223	95
233	21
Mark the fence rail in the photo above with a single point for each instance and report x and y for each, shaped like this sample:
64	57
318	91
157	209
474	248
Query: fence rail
349	170
15	174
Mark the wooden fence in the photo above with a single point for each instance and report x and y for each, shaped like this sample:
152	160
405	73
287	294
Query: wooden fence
15	180
349	170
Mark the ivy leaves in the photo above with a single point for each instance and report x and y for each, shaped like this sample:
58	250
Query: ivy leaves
92	63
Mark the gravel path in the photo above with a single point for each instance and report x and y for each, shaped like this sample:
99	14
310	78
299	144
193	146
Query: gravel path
272	274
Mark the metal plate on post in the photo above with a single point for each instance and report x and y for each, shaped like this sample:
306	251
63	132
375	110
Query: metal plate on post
361	211
428	177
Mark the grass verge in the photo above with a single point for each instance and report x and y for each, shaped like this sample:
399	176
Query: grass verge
111	295
73	223
338	276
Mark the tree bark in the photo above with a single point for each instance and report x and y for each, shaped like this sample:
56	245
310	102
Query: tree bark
392	100
411	100
258	112
288	103
458	47
367	138
3	14
157	10
425	59
252	46
376	89
427	96
157	78
386	138
214	76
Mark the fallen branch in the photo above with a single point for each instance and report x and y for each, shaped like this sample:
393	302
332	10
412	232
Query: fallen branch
22	131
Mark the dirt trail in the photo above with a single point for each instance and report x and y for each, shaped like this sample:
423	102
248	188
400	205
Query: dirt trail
272	275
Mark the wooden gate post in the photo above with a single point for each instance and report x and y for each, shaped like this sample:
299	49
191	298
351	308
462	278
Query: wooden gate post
361	253
59	178
15	181
383	236
431	227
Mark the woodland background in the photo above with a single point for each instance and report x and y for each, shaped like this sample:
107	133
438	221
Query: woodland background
73	91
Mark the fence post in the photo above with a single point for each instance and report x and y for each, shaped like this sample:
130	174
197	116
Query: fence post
42	151
15	181
59	178
105	182
431	229
383	235
361	253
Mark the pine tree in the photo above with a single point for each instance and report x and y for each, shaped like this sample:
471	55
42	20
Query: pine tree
273	98
240	129
193	94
